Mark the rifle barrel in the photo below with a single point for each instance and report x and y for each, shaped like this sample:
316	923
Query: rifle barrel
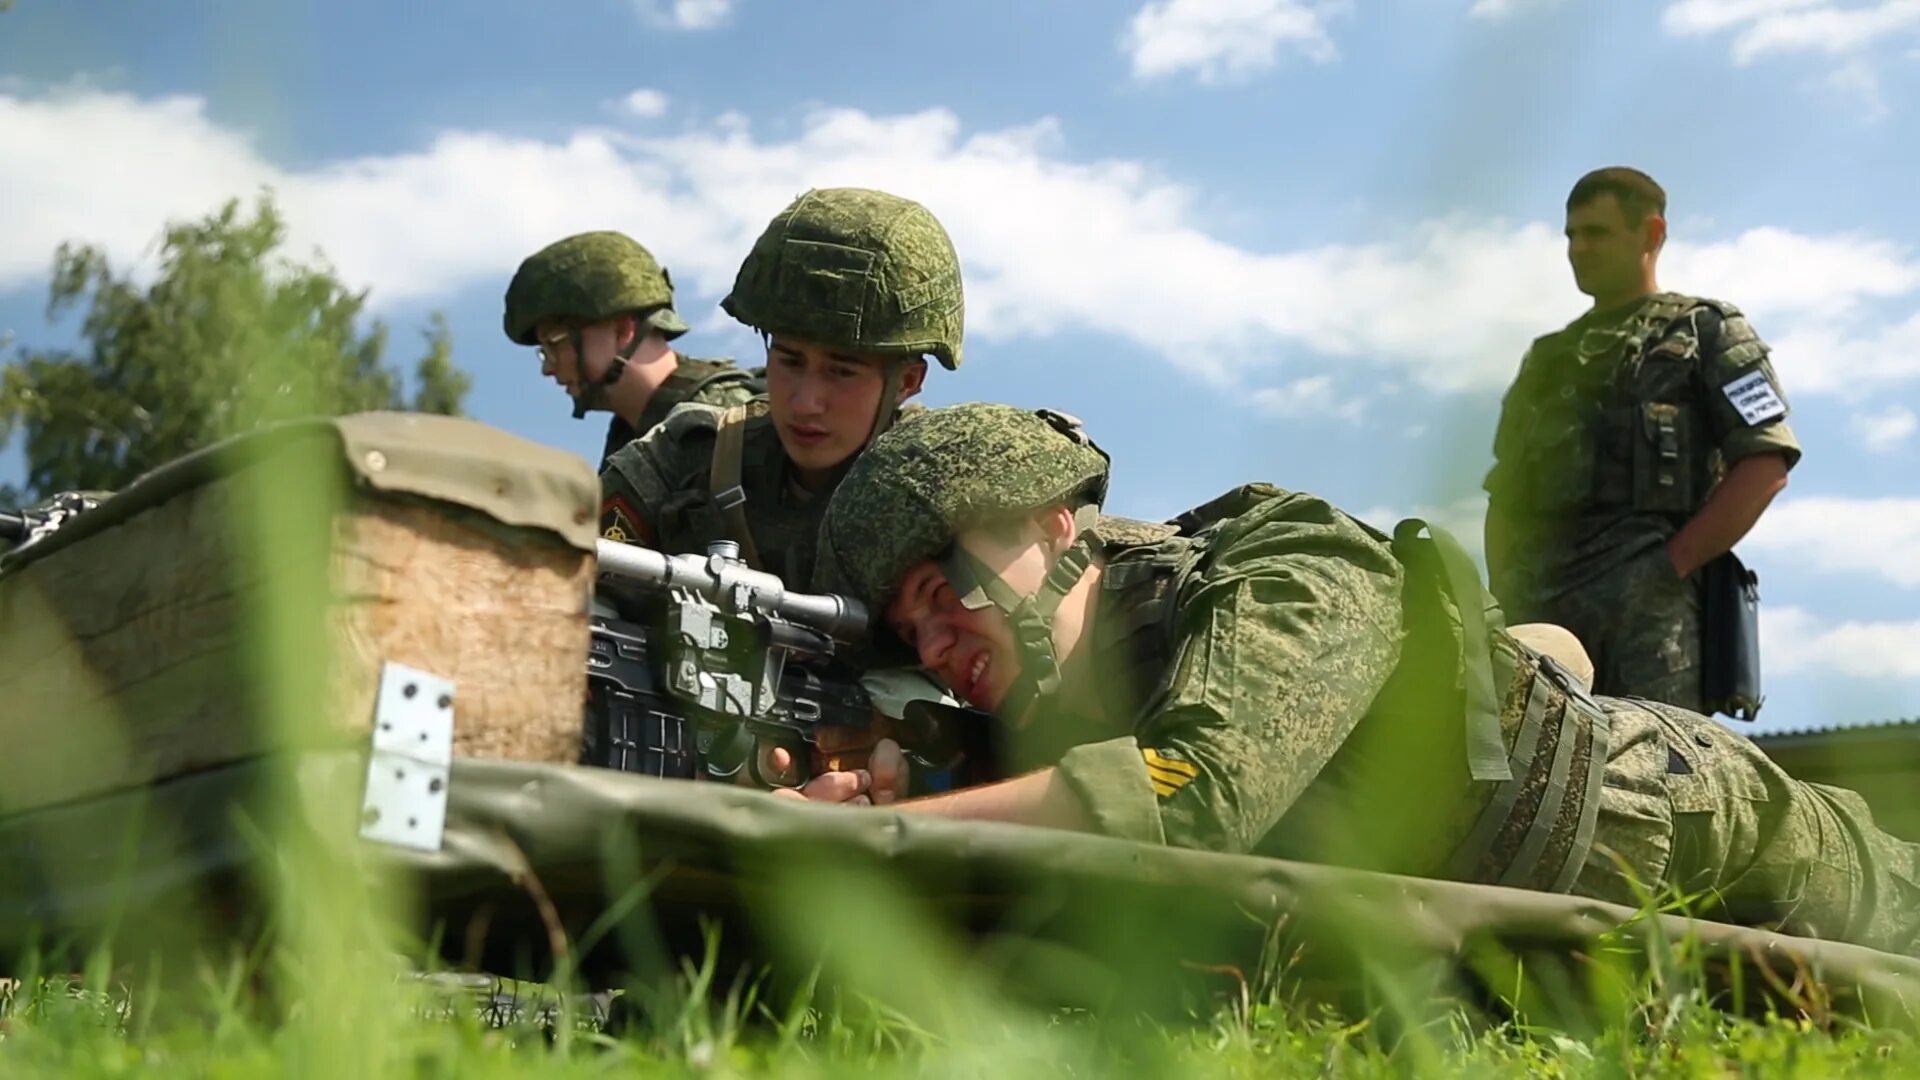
13	527
839	617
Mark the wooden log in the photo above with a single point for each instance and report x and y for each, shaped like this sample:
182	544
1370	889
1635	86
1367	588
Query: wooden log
507	622
158	645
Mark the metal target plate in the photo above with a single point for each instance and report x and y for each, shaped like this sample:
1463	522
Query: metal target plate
409	770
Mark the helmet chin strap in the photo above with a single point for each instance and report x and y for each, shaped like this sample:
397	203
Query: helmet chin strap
596	396
889	398
1031	616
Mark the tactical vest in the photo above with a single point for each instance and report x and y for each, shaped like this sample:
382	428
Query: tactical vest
782	522
1507	742
692	380
1611	420
728	489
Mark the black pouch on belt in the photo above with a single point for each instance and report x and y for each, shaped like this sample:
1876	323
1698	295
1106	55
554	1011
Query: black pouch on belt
1730	649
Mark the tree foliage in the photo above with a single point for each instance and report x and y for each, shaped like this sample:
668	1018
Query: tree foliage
229	335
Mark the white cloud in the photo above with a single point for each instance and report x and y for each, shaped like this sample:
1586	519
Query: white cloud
1713	16
1817	355
1872	537
1310	397
187	165
1858	82
1050	244
1795	640
1760	27
645	104
1829	29
1222	40
1781	272
1884	431
1502	9
685	14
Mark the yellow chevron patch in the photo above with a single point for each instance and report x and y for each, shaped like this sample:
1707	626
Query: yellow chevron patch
1167	775
1157	760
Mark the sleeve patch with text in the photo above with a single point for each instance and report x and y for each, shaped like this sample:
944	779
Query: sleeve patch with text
1753	395
1168	775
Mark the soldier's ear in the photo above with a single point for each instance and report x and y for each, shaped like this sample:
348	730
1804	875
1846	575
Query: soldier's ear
1656	227
912	378
625	328
1058	528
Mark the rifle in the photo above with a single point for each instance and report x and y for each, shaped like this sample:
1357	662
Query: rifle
702	663
19	528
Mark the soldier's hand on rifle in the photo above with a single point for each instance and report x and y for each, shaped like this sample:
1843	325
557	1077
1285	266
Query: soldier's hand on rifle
883	780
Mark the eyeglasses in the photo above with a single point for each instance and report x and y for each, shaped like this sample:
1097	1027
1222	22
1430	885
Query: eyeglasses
549	348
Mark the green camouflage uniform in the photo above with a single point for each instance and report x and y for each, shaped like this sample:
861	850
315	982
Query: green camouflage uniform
704	382
844	268
1610	439
1276	677
656	491
597	275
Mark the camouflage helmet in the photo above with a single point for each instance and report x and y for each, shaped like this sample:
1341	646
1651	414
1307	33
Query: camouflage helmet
854	269
939	472
590	276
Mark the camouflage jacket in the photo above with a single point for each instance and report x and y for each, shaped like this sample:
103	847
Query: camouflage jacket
657	491
1615	430
708	382
1288	681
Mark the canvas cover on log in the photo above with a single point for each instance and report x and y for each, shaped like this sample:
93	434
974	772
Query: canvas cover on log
247	595
627	874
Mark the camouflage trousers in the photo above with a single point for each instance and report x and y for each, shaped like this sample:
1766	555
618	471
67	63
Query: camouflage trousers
1639	623
1690	807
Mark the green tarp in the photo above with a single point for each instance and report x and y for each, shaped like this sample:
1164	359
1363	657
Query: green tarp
533	856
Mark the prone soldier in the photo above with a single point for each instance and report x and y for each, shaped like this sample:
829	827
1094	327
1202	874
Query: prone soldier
1270	675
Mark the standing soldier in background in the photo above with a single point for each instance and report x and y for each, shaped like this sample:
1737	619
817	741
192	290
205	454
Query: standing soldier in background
1636	446
599	308
852	289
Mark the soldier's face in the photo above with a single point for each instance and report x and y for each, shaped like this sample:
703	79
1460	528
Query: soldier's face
1607	252
559	362
824	401
972	649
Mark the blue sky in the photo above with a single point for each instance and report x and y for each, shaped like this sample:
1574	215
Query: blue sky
1289	240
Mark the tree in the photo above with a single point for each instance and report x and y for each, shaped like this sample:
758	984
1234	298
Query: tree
228	336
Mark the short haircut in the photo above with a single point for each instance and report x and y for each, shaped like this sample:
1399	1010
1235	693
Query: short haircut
1638	195
1012	527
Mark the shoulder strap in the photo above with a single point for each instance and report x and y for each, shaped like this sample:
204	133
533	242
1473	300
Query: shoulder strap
729	449
689	379
1230	504
1486	749
1664	312
723	372
1152	622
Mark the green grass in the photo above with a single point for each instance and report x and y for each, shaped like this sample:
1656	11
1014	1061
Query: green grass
214	1024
